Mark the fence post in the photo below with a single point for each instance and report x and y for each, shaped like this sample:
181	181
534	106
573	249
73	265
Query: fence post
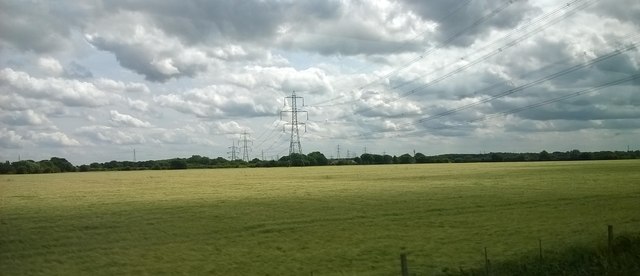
403	264
487	264
610	237
540	249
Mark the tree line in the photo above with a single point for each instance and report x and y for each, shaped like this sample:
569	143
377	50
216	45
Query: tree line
57	164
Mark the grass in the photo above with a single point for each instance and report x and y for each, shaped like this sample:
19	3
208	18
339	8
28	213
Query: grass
351	220
623	258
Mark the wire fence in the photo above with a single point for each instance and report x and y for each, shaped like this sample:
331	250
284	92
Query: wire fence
620	256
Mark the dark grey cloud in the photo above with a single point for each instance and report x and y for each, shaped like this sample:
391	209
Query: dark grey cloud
223	21
623	10
460	23
367	42
143	61
529	126
445	128
40	26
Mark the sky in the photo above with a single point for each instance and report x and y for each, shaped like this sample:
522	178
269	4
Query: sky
94	80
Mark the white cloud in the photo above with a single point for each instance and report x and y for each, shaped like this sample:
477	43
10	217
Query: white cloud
230	127
109	135
51	65
138	105
56	139
10	139
26	117
121	87
220	101
68	92
124	120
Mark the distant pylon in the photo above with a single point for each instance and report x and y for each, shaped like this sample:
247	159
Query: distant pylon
294	145
234	150
245	148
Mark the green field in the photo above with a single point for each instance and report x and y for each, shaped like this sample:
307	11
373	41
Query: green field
348	220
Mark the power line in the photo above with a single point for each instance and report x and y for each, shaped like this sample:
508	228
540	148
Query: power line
566	71
524	27
275	141
533	83
564	97
274	130
455	36
485	56
414	60
549	101
449	40
572	9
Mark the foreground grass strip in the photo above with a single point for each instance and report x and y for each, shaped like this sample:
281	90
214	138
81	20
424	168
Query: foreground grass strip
622	259
292	221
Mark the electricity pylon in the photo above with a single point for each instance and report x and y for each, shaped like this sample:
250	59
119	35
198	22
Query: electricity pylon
234	151
245	148
294	146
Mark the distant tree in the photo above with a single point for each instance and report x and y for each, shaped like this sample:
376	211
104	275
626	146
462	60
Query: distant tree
544	156
296	159
317	158
113	164
63	164
218	161
6	168
387	159
495	157
574	154
199	160
556	155
420	158
26	167
585	156
406	159
177	164
47	166
377	159
608	155
366	159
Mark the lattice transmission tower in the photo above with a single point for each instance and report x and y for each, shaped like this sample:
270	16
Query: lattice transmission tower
294	145
245	146
233	153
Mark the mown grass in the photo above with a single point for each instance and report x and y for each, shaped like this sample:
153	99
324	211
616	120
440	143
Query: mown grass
352	220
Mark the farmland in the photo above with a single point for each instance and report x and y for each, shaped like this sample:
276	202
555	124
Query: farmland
293	221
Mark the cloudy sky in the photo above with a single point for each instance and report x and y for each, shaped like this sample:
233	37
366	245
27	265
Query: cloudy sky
93	80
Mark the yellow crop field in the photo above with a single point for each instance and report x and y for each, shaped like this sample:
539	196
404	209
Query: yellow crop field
332	220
